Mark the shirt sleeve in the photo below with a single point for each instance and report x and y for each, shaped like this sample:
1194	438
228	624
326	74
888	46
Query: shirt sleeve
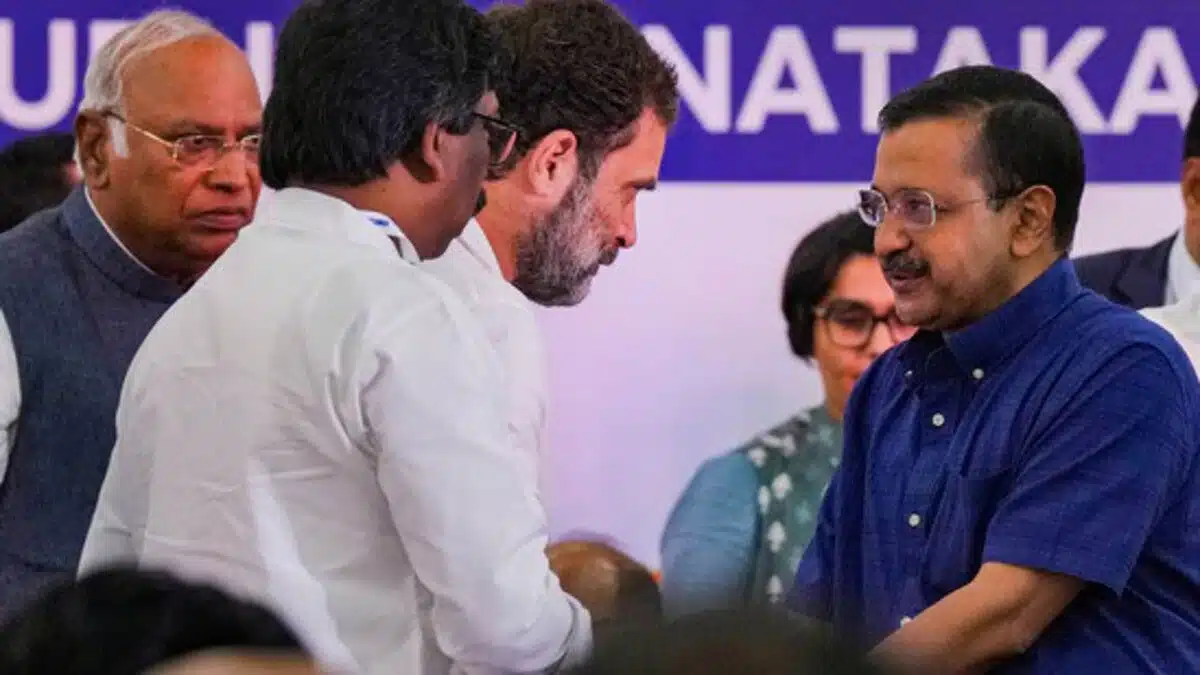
462	500
1097	475
122	503
10	395
812	594
513	332
709	542
813	591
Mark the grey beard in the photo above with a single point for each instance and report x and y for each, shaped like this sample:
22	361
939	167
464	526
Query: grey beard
549	271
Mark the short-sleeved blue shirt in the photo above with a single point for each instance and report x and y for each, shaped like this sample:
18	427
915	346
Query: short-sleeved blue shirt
1060	433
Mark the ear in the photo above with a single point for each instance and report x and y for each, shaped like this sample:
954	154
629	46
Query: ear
552	164
93	138
1189	184
434	144
1035	220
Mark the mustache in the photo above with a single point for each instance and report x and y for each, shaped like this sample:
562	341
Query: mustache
609	257
900	263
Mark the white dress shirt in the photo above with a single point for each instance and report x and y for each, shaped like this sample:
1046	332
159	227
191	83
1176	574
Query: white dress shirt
1182	320
318	424
10	394
10	379
1183	273
470	268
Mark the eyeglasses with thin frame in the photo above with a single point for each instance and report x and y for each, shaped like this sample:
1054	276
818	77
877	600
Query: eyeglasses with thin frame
850	324
502	136
198	150
917	209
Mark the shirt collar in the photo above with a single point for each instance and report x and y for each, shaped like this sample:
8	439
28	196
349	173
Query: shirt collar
1183	274
986	343
116	240
316	212
99	243
476	242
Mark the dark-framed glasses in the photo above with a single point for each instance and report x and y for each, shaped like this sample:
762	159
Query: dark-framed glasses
502	136
850	323
198	150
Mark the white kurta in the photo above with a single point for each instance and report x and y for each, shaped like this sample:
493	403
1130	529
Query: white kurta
320	423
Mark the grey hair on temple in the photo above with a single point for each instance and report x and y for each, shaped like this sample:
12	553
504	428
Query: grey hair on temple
104	80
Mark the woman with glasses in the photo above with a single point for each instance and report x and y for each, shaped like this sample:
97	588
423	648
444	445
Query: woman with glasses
737	534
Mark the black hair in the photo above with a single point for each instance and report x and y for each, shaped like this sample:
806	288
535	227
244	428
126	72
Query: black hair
122	621
33	176
1026	136
1191	133
812	269
358	81
638	594
578	65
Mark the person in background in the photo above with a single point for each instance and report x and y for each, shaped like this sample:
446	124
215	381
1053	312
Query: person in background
737	534
167	138
613	586
125	621
319	422
1182	321
564	202
1020	479
1165	272
36	173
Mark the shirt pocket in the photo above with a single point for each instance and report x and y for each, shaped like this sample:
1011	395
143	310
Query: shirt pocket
958	532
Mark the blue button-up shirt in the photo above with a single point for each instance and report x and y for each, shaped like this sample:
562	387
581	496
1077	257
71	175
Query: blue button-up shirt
1058	433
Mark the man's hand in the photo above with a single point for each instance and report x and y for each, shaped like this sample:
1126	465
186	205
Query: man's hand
995	617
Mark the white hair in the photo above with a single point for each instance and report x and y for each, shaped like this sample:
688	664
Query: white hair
103	82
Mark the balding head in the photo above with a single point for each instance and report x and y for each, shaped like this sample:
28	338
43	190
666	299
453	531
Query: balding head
104	81
606	581
167	137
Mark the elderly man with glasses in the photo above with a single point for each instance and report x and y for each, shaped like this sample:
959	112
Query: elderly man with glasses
167	143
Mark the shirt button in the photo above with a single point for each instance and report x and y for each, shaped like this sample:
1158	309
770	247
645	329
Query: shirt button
938	419
977	374
914	520
905	619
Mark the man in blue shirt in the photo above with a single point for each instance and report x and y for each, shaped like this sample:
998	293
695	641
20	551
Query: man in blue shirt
1019	484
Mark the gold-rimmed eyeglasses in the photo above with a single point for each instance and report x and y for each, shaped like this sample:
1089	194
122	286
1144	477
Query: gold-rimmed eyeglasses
198	150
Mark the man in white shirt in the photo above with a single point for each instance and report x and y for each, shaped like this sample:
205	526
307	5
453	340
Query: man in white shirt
1182	321
563	203
318	423
167	142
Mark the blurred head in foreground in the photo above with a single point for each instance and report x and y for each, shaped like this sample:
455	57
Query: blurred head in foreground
609	583
727	643
125	621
